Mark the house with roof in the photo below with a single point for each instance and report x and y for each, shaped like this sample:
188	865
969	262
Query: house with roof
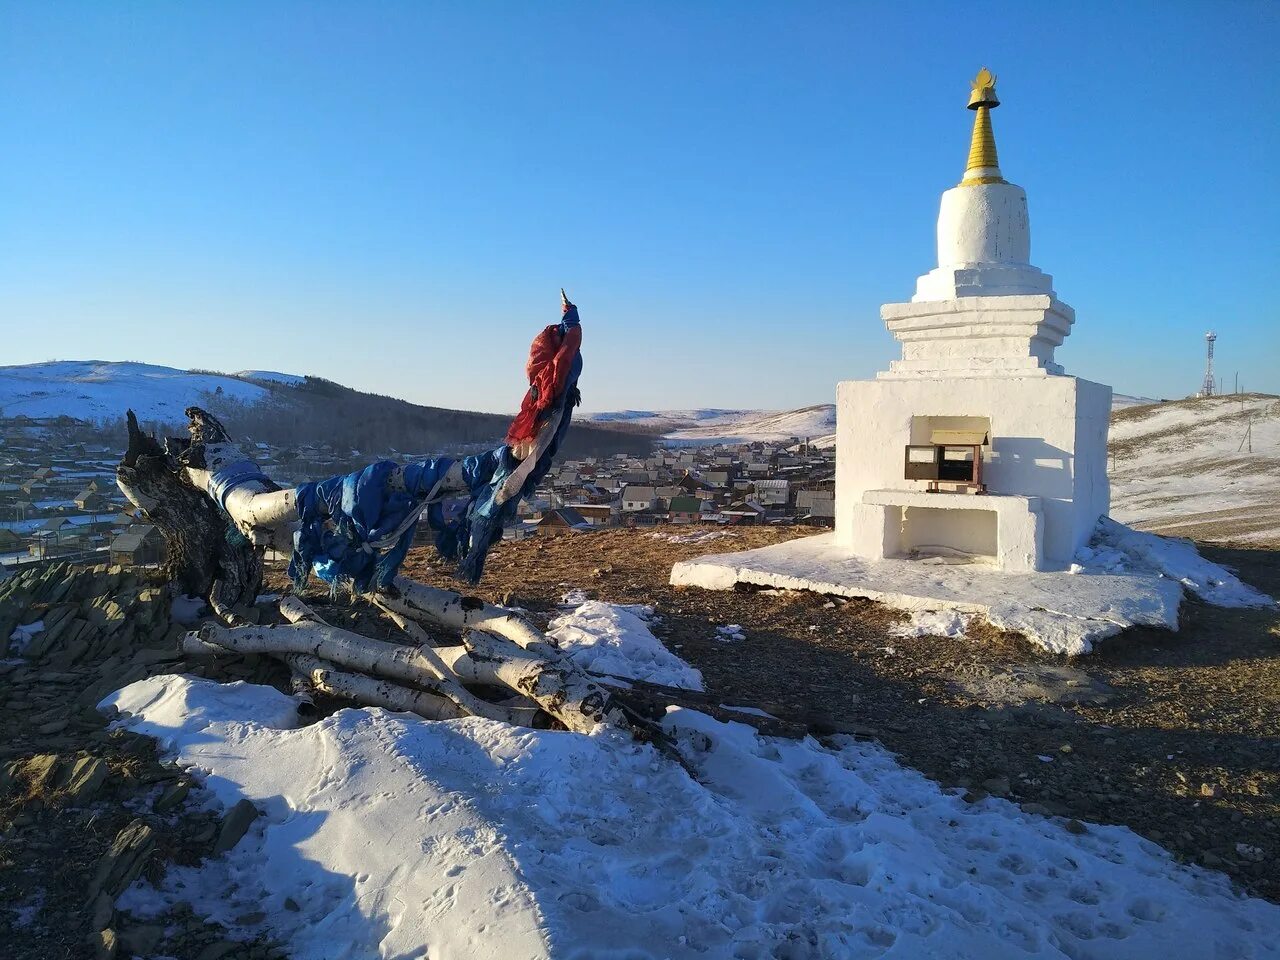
562	521
772	493
743	513
140	545
685	509
90	500
636	498
596	514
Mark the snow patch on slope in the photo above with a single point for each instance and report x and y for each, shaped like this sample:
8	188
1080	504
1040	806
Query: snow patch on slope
96	390
708	426
1205	468
272	376
402	837
704	427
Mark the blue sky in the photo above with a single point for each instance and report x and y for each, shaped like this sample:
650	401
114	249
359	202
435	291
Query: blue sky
390	195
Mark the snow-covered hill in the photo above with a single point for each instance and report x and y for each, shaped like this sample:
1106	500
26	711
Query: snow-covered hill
99	390
1186	468
711	426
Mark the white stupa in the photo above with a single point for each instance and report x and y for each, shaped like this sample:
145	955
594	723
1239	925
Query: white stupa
1017	449
978	340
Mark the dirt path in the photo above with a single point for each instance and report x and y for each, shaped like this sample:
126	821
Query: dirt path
1171	734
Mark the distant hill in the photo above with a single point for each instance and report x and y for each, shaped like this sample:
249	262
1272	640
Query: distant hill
97	390
704	427
711	425
1206	468
278	408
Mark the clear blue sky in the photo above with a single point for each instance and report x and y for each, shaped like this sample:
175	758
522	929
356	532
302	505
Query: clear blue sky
390	195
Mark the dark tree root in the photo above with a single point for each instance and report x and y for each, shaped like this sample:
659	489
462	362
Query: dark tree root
207	556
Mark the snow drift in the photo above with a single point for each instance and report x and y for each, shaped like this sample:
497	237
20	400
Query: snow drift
399	837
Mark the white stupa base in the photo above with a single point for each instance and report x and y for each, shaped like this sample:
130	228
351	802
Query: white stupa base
1062	612
1012	541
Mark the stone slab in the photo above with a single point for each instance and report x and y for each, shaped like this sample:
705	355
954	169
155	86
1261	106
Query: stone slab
1062	612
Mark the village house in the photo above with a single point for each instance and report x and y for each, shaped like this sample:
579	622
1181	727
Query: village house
561	521
685	509
638	498
139	546
772	493
743	513
90	500
596	514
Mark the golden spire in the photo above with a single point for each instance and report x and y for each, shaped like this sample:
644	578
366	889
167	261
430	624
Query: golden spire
984	165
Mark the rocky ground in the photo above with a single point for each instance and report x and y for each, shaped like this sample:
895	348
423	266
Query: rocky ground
1171	734
83	809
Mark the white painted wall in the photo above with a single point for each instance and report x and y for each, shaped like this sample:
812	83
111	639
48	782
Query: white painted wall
1049	441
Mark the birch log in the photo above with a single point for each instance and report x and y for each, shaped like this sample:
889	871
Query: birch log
457	612
510	648
343	649
370	691
417	662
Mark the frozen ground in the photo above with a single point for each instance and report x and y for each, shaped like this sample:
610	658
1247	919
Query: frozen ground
399	837
1124	578
1207	469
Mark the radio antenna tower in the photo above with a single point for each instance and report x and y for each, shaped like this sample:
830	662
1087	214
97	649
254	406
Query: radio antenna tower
1208	388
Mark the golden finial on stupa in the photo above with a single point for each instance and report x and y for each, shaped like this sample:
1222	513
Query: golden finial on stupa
984	90
984	165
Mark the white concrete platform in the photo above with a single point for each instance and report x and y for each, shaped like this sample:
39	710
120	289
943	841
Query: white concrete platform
1062	612
893	523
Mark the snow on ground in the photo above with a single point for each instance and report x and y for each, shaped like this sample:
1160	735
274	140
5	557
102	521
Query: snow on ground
671	419
707	426
99	390
400	837
615	640
1185	468
710	426
933	623
1116	548
694	536
760	425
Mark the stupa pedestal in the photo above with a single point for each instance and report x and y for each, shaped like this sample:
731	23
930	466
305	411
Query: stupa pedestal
978	341
1048	452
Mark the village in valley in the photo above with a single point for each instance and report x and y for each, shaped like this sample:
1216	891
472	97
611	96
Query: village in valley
59	500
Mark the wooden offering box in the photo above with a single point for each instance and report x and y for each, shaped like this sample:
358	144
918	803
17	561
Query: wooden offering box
951	456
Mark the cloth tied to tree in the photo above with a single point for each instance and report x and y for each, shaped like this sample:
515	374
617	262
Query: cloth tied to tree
552	356
225	479
355	528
